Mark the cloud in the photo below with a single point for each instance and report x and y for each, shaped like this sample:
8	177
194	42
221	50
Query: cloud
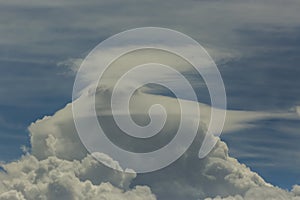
54	178
59	173
296	190
71	66
217	174
188	178
298	110
58	165
12	195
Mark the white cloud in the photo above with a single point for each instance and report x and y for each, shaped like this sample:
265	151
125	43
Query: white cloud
12	195
296	190
55	178
188	178
71	66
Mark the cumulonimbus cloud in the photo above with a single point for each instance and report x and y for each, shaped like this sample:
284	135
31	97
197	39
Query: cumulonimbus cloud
59	166
59	161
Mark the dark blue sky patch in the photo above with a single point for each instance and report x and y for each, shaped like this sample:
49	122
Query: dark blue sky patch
269	78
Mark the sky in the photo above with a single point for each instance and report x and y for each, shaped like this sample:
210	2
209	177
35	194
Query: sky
255	45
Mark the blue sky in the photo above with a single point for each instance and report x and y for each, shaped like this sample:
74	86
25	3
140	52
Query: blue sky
256	45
